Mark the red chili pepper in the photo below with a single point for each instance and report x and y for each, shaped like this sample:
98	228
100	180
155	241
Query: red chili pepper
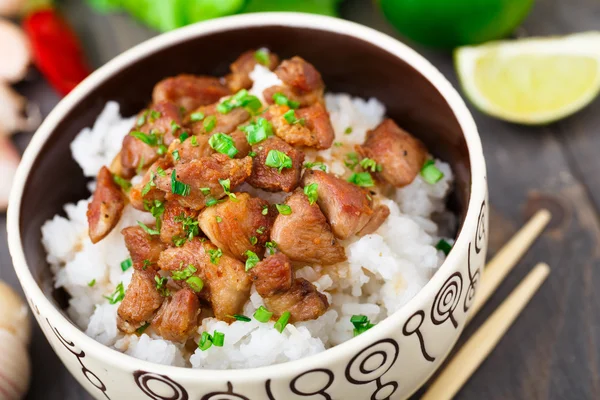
56	49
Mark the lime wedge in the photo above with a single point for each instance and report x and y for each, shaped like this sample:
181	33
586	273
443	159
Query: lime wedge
531	81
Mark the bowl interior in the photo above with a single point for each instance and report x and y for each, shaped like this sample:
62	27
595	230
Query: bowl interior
348	64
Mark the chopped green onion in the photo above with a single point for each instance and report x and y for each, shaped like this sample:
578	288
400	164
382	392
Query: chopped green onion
184	273
189	225
261	230
240	99
162	149
195	283
146	264
262	314
205	341
348	130
161	285
258	130
174	126
149	139
197	116
211	201
278	159
362	179
92	283
142	328
223	143
290	117
430	173
252	154
252	260
194	141
160	172
149	231
209	123
140	166
368	163
282	321
271	246
156	208
179	241
351	160
265	210
154	115
215	255
283	100
253	240
443	246
117	295
142	119
126	264
218	339
338	144
262	56
239	317
283	209
176	156
361	324
149	184
311	192
318	164
178	187
218	219
124	183
183	136
205	191
226	185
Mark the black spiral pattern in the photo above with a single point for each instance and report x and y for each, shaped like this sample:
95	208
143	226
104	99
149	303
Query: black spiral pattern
480	233
167	385
228	395
412	327
446	300
473	283
371	364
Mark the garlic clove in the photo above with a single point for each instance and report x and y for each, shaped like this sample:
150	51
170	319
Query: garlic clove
9	161
14	314
15	50
15	367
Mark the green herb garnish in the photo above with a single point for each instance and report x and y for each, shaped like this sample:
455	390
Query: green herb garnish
262	314
148	230
318	164
430	173
197	116
283	209
252	260
290	117
311	192
262	56
362	179
444	246
117	295
209	123
161	285
368	163
240	99
282	321
278	159
124	183
92	283
215	255
361	324
189	225
195	283
223	143
178	187
126	264
283	100
258	130
184	273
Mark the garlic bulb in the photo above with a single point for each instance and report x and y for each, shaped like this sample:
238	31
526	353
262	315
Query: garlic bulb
14	316
15	367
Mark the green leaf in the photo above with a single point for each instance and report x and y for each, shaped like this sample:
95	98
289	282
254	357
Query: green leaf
324	7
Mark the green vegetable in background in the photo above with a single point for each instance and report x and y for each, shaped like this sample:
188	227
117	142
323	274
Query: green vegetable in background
165	15
452	23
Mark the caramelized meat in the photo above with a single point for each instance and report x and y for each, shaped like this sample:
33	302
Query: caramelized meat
380	214
106	207
224	123
304	235
238	225
156	123
301	76
270	179
172	227
140	302
400	155
313	129
224	277
203	176
144	248
144	193
190	149
275	283
239	78
303	100
348	207
177	319
189	91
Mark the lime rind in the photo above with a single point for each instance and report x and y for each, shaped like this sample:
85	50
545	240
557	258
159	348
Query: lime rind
583	45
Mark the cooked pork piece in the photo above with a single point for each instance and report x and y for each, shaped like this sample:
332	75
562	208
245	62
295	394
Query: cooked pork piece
177	222
300	75
146	193
239	78
275	283
154	126
238	225
197	181
303	100
224	123
224	277
269	178
141	300
106	207
400	155
189	91
177	319
190	149
311	126
304	235
144	248
348	208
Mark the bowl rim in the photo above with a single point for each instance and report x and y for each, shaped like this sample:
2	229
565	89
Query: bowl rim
288	19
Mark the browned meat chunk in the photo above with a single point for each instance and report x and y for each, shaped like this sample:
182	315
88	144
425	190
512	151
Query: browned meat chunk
275	283
106	207
189	91
190	149
156	122
143	247
145	193
304	235
141	300
172	226
238	225
177	319
313	128
380	214
269	178
203	177
224	123
400	155
301	76
241	68
224	277
348	208
303	100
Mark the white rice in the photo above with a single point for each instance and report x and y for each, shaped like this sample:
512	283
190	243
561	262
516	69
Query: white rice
383	272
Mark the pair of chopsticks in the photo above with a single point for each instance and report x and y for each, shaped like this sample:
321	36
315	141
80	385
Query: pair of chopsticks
482	342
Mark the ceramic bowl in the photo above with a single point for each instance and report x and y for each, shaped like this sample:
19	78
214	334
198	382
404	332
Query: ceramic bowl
391	360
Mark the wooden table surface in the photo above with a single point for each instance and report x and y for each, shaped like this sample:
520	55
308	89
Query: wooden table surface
553	350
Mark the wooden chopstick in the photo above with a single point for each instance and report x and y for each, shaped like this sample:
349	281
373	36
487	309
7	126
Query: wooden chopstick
479	346
507	257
